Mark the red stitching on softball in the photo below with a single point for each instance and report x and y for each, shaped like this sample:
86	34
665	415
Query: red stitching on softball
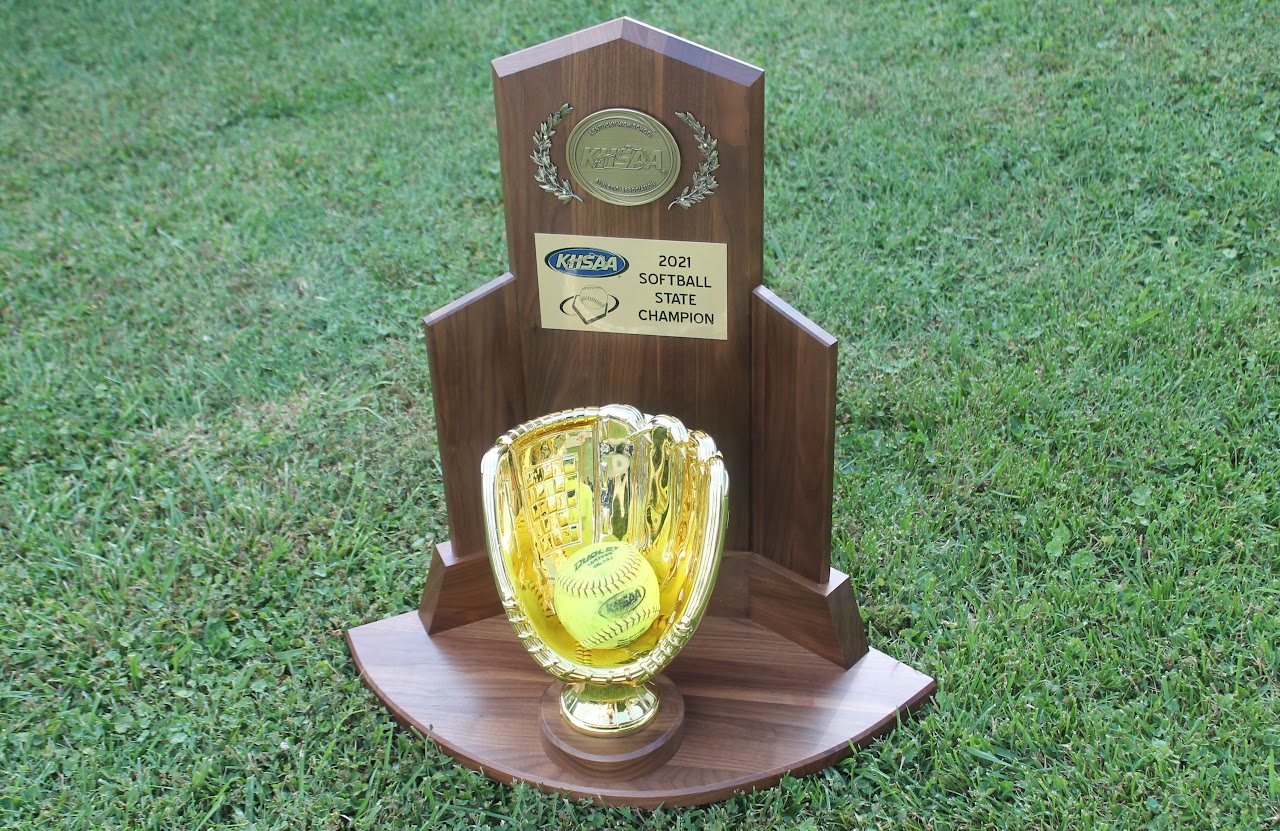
601	585
618	627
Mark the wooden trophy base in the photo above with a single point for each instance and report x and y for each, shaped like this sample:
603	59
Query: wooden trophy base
756	708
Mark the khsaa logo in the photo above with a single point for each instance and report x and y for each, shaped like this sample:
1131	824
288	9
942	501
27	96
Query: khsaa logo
586	262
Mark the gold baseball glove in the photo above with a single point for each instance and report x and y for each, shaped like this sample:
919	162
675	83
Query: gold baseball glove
557	483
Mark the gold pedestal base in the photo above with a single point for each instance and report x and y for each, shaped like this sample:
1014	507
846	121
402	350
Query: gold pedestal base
609	710
613	757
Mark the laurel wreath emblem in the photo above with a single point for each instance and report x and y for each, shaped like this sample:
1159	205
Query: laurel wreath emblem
547	176
704	180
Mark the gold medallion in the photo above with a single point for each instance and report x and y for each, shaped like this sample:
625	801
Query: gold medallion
623	157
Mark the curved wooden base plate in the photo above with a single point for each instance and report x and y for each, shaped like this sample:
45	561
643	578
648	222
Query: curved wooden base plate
757	706
614	757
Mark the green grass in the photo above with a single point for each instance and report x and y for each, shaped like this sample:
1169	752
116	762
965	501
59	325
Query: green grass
1047	235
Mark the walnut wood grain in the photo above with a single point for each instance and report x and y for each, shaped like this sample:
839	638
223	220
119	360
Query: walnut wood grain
793	452
821	617
459	590
478	391
757	706
731	594
624	63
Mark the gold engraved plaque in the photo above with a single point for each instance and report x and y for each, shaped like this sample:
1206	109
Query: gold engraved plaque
624	157
669	288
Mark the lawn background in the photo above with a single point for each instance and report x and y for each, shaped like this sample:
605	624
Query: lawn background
1047	235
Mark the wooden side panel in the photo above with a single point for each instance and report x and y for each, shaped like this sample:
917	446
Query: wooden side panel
478	390
821	617
623	63
459	590
732	591
793	455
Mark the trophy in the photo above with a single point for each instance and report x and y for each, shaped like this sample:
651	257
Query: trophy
632	165
641	485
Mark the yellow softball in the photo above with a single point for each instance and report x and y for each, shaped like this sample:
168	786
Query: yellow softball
606	595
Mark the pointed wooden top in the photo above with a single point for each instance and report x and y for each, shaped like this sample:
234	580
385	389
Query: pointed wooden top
632	31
